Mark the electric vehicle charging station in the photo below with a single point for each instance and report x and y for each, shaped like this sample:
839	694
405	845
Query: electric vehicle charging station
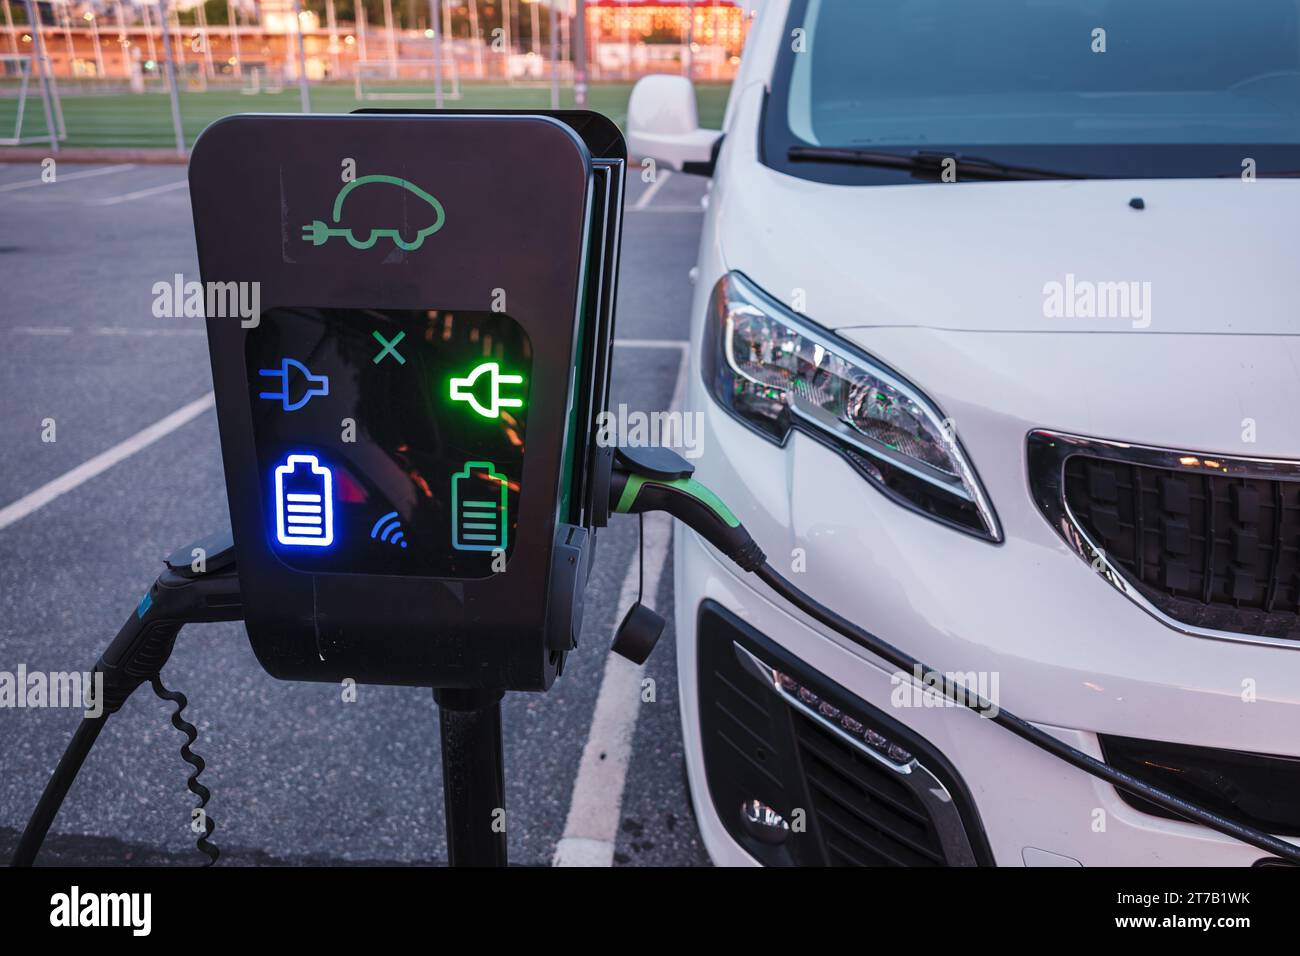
406	428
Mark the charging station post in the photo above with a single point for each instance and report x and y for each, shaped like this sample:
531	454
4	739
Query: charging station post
473	775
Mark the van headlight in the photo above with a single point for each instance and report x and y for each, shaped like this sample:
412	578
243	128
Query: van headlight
776	372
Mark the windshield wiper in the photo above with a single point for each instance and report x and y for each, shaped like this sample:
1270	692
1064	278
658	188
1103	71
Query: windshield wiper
926	162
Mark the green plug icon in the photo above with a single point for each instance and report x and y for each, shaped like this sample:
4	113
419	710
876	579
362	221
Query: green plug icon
316	233
462	390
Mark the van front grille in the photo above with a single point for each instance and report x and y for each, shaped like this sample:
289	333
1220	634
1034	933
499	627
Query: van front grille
1207	541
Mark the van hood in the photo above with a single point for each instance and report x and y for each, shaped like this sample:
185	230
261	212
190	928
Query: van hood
1199	256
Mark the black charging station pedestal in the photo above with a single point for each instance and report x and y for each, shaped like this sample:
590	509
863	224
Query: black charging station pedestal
407	423
473	775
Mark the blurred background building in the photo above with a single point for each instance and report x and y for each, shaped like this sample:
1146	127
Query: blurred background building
117	43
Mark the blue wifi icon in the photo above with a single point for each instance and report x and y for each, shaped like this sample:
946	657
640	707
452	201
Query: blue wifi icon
389	529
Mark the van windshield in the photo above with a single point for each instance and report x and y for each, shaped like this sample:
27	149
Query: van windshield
1097	87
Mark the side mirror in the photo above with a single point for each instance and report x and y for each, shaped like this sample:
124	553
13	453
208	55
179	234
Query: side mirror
662	124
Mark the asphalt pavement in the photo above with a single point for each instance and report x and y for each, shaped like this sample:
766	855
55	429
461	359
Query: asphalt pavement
297	774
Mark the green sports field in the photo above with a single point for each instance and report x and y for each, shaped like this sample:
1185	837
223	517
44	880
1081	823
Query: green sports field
135	120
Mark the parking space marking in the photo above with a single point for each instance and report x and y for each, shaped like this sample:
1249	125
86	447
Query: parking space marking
698	210
662	177
122	330
680	345
591	829
67	177
103	461
114	330
47	330
139	194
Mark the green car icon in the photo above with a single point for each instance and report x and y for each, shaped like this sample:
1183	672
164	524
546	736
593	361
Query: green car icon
318	232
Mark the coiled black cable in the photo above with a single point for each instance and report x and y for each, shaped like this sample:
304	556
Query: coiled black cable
180	596
194	760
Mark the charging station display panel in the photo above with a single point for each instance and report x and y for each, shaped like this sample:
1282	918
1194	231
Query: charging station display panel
398	424
392	441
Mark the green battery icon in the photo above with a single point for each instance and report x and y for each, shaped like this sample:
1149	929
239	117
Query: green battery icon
478	508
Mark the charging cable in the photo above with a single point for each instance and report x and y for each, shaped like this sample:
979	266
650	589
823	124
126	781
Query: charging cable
199	584
669	487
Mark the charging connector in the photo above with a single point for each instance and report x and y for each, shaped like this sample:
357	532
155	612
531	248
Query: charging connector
657	479
200	584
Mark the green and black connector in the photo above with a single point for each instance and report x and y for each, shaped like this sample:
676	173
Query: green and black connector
656	479
634	481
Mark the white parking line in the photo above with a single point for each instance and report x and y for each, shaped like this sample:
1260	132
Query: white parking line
591	829
120	330
67	177
103	461
663	176
680	345
139	194
697	210
114	330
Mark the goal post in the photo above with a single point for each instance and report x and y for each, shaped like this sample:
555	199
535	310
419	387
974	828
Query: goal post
19	82
414	79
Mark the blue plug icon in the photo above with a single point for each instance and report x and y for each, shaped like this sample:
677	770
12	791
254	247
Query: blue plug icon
282	373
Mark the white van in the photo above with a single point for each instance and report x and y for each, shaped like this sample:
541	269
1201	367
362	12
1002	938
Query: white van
996	337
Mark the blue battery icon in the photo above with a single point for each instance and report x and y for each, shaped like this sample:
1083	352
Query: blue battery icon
478	508
304	502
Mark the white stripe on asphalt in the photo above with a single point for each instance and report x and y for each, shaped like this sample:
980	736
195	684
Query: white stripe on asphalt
663	176
680	344
67	177
591	830
103	461
139	194
120	330
680	209
101	330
